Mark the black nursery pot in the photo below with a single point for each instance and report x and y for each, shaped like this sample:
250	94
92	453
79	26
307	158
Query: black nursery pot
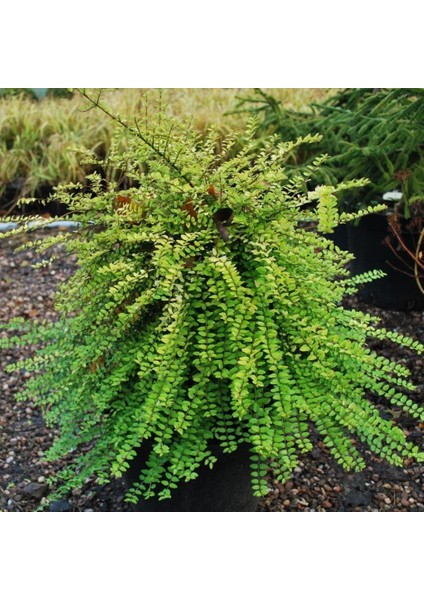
339	236
224	488
398	290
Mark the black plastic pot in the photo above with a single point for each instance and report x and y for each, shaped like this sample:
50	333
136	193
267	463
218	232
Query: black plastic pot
398	290
339	236
224	488
15	190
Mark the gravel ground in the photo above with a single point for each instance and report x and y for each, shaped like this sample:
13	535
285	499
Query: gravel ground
318	483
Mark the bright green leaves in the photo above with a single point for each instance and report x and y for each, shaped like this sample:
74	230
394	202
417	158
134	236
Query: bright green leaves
369	210
241	393
362	278
327	211
228	272
402	340
258	470
327	208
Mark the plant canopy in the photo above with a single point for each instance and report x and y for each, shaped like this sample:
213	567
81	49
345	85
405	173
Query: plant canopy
201	311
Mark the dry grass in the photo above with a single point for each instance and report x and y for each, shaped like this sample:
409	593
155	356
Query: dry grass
37	138
209	106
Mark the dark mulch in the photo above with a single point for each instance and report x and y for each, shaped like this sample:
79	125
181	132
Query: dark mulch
318	483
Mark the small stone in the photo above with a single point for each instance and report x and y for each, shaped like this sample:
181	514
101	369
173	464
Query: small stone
41	479
387	501
337	489
36	490
59	506
326	504
358	498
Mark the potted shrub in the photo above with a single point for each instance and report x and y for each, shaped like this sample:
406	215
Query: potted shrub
203	322
376	134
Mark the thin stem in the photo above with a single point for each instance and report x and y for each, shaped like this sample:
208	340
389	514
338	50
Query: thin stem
415	257
136	131
402	243
418	262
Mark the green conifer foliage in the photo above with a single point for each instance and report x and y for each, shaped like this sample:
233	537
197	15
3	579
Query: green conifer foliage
372	133
201	311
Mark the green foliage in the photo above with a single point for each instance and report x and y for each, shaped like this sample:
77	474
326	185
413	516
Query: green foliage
13	92
60	93
201	311
377	134
36	93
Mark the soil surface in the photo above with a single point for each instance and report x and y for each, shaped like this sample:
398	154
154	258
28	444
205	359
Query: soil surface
318	483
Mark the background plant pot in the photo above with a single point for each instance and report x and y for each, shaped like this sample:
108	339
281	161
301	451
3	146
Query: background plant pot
398	290
10	195
15	190
339	236
225	488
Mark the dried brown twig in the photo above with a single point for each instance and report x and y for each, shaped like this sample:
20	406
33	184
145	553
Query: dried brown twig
416	256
